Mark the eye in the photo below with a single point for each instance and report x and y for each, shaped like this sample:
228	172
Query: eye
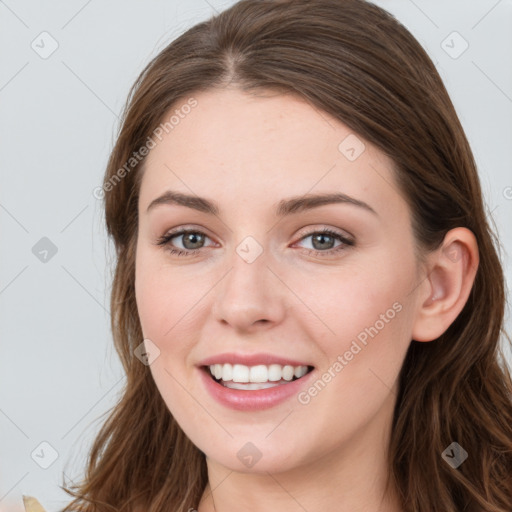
322	241
191	240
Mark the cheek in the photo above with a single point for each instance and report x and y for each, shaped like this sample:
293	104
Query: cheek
365	312
152	301
169	302
166	311
371	317
158	294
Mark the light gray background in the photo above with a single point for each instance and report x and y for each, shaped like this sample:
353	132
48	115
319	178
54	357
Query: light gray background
58	118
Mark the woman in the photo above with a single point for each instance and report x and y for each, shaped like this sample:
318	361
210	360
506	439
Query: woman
264	369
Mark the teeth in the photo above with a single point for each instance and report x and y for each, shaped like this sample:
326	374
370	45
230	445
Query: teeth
250	386
275	372
240	373
288	372
260	374
227	372
257	374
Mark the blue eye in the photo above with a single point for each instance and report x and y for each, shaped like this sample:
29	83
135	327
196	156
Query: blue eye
195	237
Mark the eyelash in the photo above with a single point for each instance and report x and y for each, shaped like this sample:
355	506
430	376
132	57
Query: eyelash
165	242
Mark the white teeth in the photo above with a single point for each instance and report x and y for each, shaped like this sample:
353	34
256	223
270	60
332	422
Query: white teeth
298	371
227	372
288	372
250	385
259	374
240	373
275	372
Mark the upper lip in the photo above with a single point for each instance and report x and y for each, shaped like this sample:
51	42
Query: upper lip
250	359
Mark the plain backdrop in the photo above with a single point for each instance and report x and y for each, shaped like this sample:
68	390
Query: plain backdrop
65	71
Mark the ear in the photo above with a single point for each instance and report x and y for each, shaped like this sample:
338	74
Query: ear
450	274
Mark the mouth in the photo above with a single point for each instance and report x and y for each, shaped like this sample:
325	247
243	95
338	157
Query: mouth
251	378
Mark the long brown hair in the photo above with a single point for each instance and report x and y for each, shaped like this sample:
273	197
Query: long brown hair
356	62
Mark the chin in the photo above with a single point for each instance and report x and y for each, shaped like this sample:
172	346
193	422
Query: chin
267	463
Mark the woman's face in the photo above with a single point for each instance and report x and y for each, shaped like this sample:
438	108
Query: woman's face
256	287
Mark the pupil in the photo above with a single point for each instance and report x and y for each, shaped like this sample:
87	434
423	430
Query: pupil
191	237
320	237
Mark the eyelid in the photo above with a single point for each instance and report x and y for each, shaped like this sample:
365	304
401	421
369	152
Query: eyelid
186	227
319	228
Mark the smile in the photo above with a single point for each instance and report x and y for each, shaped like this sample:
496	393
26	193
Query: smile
253	382
239	376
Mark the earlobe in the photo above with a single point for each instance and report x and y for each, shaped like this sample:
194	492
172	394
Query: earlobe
450	275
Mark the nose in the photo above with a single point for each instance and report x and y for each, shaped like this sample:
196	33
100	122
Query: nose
250	296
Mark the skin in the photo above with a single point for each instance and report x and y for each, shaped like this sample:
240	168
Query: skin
247	152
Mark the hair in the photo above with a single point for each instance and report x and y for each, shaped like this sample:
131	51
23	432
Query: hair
355	61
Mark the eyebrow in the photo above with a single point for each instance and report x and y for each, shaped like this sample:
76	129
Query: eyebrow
285	207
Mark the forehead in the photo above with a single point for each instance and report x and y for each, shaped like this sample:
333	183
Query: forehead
235	146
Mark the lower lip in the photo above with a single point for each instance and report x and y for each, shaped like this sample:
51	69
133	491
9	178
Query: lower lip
255	400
